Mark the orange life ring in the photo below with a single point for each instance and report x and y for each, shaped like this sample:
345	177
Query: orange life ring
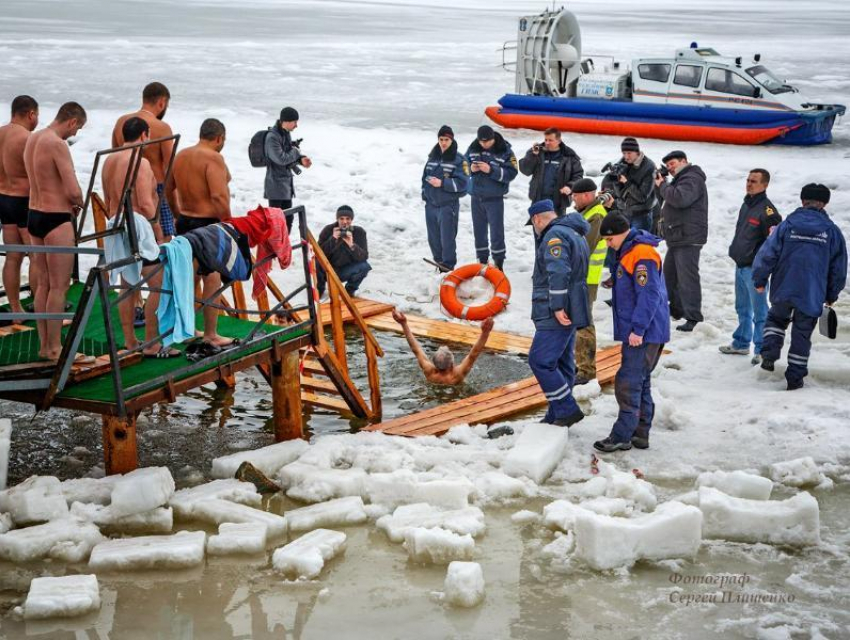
454	307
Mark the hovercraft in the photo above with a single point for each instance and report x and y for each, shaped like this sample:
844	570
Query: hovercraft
695	95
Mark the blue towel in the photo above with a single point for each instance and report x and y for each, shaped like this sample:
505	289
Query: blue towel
177	309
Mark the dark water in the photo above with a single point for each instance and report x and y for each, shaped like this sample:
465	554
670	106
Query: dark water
210	422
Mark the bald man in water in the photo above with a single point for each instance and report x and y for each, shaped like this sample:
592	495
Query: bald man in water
440	368
199	195
15	194
55	198
155	101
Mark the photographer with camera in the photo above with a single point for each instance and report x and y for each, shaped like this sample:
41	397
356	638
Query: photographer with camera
684	224
631	180
553	168
346	249
283	159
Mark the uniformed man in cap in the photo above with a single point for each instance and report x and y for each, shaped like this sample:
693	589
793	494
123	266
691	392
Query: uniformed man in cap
757	218
806	261
559	306
492	166
641	324
588	205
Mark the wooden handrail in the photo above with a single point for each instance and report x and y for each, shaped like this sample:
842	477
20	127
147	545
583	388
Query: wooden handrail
322	259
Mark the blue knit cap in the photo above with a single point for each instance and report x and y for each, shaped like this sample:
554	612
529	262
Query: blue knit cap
541	206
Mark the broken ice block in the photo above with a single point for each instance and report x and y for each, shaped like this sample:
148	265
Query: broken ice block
462	521
306	556
62	597
437	546
308	483
89	490
737	483
232	538
69	539
673	530
536	452
799	473
159	520
269	459
232	490
334	513
180	551
217	511
464	585
795	521
404	487
142	490
36	499
5	446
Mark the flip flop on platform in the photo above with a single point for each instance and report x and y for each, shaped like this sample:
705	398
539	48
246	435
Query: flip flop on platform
82	358
164	353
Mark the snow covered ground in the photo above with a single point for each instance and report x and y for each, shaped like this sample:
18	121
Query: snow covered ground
374	80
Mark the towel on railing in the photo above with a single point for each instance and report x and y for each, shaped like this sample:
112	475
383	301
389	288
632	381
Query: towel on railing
177	309
219	247
265	228
117	247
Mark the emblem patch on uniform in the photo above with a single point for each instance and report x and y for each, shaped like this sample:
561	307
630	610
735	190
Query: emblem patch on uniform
619	272
641	275
555	251
554	241
514	163
770	211
465	167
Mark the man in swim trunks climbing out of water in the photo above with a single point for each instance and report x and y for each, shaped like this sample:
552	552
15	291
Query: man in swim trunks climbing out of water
15	194
55	198
199	195
440	368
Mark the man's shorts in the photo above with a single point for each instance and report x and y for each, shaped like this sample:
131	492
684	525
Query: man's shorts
166	218
14	210
185	224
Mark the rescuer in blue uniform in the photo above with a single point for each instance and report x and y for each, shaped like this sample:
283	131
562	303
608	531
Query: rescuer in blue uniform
559	306
492	165
806	261
641	324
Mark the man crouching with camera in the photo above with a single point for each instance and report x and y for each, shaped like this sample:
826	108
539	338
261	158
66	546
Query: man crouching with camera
346	249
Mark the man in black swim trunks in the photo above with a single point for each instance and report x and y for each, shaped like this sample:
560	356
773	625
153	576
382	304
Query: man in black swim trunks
15	194
55	198
199	195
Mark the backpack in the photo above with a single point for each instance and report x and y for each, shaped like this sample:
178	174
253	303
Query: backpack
257	149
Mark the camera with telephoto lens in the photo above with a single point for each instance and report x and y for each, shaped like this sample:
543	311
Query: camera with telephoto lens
294	167
614	170
539	146
663	171
603	197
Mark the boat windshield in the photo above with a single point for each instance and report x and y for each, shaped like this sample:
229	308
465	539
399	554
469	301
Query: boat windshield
763	76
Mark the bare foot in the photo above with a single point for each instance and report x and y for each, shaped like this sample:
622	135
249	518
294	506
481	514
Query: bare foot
219	341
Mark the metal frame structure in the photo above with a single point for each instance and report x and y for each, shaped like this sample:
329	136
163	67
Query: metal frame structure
97	287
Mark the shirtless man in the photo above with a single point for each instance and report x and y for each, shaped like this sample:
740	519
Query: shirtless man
15	194
199	195
144	198
155	99
55	198
441	369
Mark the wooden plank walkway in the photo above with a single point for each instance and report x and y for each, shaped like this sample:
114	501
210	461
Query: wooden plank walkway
490	406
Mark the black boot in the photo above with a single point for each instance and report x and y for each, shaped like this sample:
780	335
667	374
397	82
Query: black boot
688	326
500	265
767	364
609	445
640	439
793	385
570	420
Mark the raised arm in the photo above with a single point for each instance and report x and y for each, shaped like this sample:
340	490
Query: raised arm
424	363
466	365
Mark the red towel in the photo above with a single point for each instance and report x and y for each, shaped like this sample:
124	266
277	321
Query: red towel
266	229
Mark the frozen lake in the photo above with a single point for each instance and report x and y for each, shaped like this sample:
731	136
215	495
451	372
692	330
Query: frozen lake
373	81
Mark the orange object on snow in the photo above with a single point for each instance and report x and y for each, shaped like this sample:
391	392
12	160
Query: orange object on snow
454	307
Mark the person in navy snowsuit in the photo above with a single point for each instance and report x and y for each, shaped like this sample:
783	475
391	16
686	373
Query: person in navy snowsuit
641	324
806	261
444	182
559	306
492	166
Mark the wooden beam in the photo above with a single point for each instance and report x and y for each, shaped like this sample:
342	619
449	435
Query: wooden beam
374	381
337	326
119	444
286	398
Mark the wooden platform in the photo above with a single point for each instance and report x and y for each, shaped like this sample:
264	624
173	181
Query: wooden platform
489	407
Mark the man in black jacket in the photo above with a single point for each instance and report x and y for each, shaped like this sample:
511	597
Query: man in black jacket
634	187
685	227
281	156
553	168
756	221
347	250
